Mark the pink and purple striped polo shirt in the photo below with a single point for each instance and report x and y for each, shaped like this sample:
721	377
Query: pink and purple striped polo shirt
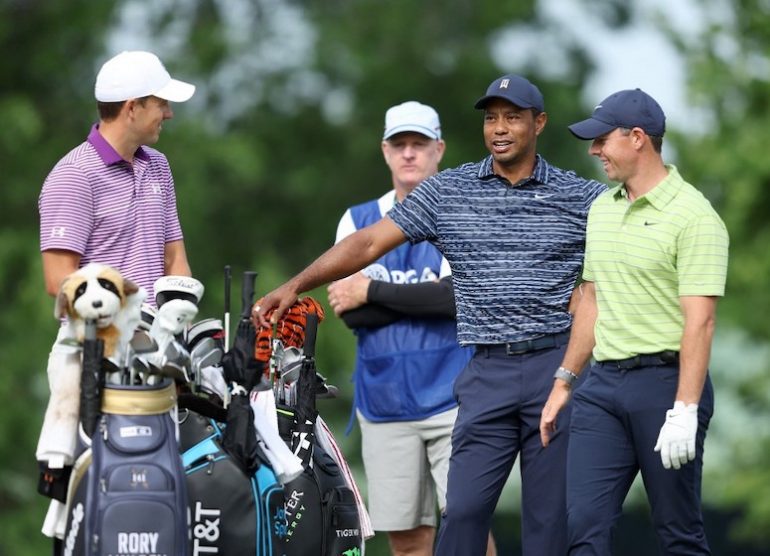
110	211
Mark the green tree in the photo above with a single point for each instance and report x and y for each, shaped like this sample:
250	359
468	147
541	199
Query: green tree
51	48
726	155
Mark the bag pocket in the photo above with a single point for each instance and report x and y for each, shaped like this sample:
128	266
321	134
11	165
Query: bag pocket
342	526
137	525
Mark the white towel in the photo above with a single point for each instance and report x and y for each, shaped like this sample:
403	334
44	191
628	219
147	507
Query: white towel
213	381
55	520
58	434
285	464
326	440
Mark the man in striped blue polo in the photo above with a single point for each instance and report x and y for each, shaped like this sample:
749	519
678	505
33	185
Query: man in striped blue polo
111	200
402	309
655	265
512	227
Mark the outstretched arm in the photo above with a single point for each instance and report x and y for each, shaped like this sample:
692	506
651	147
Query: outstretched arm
345	258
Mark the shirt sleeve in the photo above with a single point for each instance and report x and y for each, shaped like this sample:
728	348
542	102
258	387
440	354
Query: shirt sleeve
702	249
593	190
417	214
66	210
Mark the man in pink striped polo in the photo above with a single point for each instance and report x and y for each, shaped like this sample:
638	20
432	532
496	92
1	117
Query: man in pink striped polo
109	200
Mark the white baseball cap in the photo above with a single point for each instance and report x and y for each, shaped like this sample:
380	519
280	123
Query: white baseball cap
412	116
137	74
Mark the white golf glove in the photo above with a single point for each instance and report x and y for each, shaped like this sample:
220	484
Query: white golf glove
676	441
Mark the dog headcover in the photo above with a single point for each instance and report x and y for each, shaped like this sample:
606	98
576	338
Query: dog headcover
76	285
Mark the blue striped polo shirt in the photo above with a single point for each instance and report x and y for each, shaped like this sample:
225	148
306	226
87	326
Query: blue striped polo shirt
110	211
515	250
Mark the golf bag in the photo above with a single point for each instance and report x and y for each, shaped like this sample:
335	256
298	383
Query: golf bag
127	493
236	501
321	512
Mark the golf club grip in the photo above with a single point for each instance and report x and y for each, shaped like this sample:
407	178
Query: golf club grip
90	391
311	328
228	282
247	293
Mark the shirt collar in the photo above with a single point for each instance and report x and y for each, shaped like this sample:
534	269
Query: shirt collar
663	193
660	195
105	151
539	174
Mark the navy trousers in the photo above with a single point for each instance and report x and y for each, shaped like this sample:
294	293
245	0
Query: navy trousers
616	417
501	398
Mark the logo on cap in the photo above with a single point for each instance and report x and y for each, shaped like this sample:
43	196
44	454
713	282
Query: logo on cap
504	83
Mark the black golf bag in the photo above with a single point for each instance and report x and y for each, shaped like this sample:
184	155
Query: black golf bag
127	493
235	500
321	512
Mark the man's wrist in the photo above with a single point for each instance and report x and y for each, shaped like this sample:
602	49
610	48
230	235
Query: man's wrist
566	375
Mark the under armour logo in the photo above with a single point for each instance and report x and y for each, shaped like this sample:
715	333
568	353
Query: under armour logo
58	231
504	83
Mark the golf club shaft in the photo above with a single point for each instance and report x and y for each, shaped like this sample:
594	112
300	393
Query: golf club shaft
228	280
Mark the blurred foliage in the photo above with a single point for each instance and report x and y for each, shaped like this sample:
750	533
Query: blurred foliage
726	156
283	134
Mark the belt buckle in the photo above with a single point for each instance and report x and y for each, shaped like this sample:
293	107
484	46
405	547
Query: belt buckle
668	357
523	347
631	363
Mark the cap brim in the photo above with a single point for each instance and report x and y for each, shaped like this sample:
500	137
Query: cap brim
590	129
482	102
176	91
427	132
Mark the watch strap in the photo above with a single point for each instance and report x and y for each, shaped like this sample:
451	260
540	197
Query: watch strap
566	375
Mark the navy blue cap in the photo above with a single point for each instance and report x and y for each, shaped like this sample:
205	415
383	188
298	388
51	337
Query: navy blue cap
515	89
628	109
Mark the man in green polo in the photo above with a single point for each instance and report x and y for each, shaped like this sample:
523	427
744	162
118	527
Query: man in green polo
655	265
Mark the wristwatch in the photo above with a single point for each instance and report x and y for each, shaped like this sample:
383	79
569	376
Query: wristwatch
566	375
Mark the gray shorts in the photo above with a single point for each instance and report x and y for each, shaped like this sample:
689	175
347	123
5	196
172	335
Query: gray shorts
406	466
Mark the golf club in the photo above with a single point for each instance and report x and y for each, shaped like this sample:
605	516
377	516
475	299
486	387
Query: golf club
228	280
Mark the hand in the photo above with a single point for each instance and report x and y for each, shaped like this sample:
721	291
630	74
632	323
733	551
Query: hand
349	293
559	397
676	441
276	301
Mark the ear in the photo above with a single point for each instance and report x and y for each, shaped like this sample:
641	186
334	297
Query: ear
61	308
129	287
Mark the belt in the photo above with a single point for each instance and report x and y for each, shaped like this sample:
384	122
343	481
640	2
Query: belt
517	348
644	360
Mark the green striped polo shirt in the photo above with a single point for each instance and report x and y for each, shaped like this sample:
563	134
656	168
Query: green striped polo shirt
643	256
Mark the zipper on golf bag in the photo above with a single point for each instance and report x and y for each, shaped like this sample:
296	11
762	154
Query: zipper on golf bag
341	522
